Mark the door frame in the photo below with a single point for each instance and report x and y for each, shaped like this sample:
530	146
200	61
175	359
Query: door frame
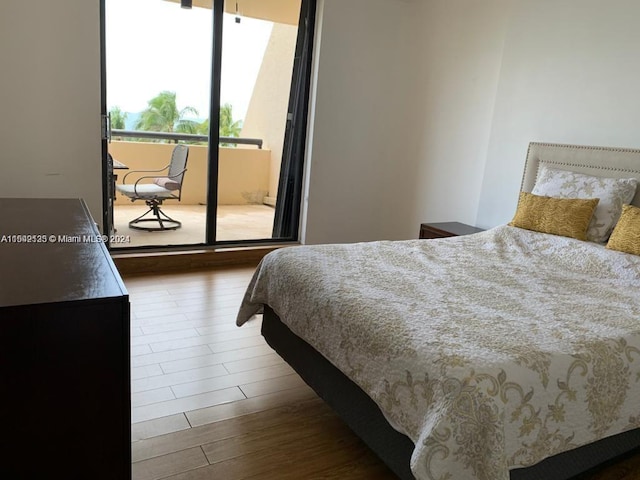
295	134
107	170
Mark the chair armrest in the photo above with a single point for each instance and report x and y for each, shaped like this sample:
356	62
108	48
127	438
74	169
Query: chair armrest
143	171
177	174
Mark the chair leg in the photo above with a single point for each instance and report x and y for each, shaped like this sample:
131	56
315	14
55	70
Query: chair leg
164	221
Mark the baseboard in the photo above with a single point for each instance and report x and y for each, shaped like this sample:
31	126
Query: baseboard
129	264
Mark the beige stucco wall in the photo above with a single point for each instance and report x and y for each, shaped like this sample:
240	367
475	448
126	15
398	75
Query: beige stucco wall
267	113
243	173
282	11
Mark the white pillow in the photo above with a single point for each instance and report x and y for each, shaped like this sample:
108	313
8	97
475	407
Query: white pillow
612	192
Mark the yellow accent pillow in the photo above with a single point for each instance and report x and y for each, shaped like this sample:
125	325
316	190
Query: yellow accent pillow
568	217
626	234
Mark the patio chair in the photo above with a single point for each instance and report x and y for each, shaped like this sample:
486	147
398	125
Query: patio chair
162	188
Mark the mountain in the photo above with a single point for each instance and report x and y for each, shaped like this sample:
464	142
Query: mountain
132	119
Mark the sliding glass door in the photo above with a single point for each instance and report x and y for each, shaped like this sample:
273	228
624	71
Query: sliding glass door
158	64
229	80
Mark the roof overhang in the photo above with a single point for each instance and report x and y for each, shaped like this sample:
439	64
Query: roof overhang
277	11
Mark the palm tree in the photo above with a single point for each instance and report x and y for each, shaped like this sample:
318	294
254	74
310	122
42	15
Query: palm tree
229	128
203	128
162	115
118	118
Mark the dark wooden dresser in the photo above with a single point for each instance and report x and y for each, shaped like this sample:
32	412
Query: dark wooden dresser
64	366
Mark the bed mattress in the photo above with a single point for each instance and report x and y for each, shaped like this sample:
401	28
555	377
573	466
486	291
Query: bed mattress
490	352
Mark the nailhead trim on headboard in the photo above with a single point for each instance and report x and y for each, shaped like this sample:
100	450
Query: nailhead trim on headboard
585	147
576	165
599	167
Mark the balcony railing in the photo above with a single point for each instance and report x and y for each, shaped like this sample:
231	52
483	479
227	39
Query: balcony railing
244	174
185	137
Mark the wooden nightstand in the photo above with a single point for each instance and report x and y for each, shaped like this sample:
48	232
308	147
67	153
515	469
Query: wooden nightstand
446	229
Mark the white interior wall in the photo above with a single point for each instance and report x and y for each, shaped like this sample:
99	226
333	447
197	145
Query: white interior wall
361	161
569	75
50	97
459	61
482	80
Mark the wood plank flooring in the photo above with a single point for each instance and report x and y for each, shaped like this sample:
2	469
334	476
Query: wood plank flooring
213	401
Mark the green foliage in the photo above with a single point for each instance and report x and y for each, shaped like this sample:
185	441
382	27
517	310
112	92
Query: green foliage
162	115
229	127
203	128
118	118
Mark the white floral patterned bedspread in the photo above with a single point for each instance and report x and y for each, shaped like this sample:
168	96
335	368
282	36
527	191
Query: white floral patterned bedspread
490	351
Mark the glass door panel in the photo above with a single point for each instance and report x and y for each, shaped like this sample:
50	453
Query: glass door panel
158	66
258	49
233	74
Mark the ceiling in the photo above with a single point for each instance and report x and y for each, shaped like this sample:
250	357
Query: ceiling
278	11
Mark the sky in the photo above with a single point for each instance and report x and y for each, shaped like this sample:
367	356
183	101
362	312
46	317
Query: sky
154	45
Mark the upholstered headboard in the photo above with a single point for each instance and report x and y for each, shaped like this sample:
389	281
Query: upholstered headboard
598	161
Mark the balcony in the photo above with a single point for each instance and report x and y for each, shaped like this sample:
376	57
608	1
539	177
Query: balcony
243	213
259	85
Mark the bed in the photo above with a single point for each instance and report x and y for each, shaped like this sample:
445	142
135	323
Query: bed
512	353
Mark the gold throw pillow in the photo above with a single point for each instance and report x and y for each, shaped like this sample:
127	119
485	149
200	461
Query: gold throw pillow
626	234
568	217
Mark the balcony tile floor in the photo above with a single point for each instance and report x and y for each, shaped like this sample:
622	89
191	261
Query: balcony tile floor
235	222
